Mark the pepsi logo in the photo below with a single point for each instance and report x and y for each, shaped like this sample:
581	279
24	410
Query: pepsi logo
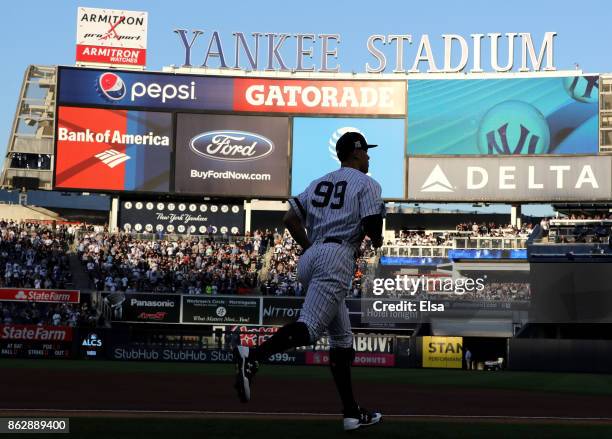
111	86
231	145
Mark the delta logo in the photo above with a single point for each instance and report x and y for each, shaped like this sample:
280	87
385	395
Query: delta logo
507	177
111	87
437	182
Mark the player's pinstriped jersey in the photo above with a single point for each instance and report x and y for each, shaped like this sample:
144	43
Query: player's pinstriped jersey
332	206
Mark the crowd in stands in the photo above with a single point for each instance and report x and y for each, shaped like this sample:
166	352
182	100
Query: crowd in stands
581	216
49	314
463	230
33	255
494	291
281	279
421	238
189	265
493	230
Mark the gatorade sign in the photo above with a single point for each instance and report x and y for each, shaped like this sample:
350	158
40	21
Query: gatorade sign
443	352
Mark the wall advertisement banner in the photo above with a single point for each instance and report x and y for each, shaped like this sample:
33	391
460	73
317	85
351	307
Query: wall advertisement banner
220	310
116	88
443	352
138	353
320	97
116	150
361	359
510	178
39	295
278	311
35	333
236	156
147	308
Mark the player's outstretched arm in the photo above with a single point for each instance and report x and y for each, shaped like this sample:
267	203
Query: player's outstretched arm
295	227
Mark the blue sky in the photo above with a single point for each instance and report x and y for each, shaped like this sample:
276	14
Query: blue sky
44	32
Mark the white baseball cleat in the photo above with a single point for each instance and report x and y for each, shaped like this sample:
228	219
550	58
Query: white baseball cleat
361	419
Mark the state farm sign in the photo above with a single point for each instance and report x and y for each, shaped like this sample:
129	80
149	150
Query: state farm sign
320	97
35	333
32	295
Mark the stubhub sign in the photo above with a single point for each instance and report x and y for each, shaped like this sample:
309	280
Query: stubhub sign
151	90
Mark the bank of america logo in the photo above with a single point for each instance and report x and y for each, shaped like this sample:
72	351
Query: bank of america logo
112	158
437	182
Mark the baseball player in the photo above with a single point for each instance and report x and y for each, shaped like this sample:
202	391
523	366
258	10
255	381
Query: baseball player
337	211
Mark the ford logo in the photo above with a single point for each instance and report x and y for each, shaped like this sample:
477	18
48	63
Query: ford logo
231	145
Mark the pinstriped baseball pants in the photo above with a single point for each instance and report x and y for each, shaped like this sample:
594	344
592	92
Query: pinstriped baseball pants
326	271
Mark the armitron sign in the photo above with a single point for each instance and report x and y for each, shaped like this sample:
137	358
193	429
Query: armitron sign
107	36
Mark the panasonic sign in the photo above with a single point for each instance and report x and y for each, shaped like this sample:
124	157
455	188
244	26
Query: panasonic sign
510	178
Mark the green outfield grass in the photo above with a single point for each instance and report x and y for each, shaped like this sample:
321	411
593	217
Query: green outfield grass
575	383
103	428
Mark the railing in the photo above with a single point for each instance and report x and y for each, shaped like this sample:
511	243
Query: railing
480	242
172	237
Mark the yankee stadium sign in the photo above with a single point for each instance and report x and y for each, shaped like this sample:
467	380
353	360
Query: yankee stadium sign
407	54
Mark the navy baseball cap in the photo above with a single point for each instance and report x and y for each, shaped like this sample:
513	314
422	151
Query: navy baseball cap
349	142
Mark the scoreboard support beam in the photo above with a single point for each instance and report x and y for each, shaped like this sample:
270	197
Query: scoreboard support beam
247	216
113	215
515	215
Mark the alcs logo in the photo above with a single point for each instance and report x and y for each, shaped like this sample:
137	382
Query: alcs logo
111	87
92	340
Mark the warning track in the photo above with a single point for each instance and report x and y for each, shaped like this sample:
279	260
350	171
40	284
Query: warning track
116	392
